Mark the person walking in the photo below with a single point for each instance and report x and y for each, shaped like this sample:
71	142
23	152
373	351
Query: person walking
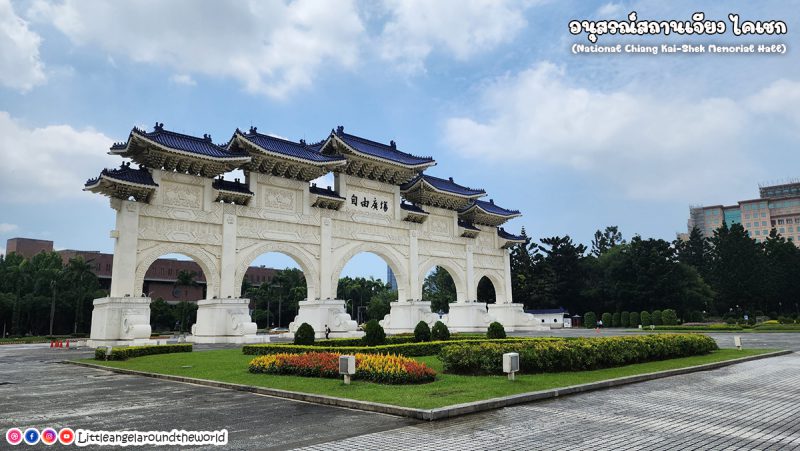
327	331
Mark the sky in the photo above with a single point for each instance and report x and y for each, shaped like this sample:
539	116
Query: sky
489	88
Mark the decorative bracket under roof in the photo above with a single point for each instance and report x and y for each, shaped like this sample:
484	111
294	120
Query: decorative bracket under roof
325	198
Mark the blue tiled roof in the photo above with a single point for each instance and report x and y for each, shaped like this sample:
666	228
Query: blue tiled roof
314	189
185	143
447	185
501	232
412	207
467	225
300	150
140	176
380	150
234	186
490	207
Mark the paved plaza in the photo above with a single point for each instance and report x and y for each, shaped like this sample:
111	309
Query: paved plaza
754	405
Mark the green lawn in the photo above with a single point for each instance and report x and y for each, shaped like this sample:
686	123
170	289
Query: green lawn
231	366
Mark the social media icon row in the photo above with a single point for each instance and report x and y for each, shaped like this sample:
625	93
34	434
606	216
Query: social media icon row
48	436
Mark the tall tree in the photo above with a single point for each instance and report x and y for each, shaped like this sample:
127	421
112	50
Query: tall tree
694	252
559	273
78	275
522	271
737	269
605	240
439	289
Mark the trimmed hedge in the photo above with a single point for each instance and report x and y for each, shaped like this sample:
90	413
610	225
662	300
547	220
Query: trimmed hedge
572	355
305	335
706	328
374	335
496	331
669	317
590	320
406	349
125	353
383	369
634	320
440	332
390	340
422	332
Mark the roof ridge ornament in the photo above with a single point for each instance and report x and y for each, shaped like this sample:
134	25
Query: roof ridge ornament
303	143
206	137
393	144
159	127
253	130
340	130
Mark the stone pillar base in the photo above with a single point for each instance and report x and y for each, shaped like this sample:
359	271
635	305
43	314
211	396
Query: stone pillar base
225	321
120	321
405	315
514	319
468	317
319	312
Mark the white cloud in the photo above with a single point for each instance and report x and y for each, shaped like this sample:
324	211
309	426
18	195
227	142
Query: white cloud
48	163
461	28
183	79
609	10
20	67
271	47
651	147
781	98
6	227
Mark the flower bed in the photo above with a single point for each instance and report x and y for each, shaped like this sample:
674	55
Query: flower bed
573	355
380	368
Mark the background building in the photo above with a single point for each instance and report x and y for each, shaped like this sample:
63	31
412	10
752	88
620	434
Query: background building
159	281
778	207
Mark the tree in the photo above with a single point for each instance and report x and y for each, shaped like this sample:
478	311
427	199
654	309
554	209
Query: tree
522	271
486	291
615	318
737	269
669	317
635	321
604	241
590	320
439	289
78	275
559	273
185	279
694	252
782	259
645	318
655	317
380	304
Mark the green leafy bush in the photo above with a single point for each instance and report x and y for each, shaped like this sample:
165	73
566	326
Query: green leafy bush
656	318
422	332
579	354
440	332
645	318
615	317
496	330
710	328
590	320
374	335
625	319
696	316
669	317
125	353
304	335
634	320
606	317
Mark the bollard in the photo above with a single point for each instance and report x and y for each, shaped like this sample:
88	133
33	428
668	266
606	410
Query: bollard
737	341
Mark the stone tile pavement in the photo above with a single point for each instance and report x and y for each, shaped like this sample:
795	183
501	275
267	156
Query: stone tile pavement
754	405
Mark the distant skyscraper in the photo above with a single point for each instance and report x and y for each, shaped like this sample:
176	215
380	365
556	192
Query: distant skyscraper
778	207
390	278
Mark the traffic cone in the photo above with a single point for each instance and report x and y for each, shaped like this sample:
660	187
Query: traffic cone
67	344
51	343
60	344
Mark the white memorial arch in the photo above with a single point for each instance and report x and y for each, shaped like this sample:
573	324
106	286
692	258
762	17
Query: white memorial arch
381	202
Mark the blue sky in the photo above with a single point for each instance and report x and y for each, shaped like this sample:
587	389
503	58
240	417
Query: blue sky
489	88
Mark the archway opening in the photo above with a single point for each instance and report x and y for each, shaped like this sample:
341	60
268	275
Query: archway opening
486	291
275	284
368	285
439	289
174	283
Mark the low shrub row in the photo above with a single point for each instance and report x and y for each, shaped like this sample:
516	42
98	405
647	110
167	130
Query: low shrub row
538	356
705	327
412	349
632	319
380	368
125	353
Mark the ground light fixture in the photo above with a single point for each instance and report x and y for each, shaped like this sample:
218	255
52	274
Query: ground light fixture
347	367
510	364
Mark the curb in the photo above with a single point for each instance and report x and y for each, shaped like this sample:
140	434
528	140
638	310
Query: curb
439	413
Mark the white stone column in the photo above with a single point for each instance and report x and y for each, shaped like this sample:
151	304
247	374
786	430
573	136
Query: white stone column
413	266
126	235
227	288
472	290
326	260
507	276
